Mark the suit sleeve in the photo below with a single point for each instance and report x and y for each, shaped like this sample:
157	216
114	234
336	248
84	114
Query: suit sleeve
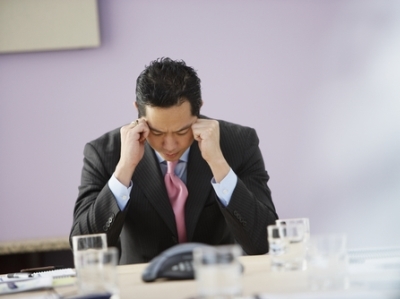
250	209
96	210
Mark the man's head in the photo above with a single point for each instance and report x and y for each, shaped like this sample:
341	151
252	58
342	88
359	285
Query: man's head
166	83
168	97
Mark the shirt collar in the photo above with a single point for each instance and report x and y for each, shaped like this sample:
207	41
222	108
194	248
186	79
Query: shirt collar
184	157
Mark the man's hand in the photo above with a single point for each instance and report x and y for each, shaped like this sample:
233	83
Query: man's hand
206	132
133	137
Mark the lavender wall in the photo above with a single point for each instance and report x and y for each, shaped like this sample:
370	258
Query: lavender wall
319	80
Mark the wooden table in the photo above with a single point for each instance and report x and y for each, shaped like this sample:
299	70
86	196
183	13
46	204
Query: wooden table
257	279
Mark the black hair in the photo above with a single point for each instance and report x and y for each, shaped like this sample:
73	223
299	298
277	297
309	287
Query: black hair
166	83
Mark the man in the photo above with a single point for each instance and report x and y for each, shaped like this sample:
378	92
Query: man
222	195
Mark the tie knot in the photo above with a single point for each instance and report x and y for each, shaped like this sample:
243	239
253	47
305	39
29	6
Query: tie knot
171	166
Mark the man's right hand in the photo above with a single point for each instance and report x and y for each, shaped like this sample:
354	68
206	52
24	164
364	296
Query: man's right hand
133	137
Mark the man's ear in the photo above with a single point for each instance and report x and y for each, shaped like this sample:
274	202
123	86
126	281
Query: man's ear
135	104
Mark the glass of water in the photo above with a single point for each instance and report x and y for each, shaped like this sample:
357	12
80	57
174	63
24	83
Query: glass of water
287	246
327	262
218	271
97	271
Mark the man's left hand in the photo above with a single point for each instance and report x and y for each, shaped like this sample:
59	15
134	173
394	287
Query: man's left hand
206	132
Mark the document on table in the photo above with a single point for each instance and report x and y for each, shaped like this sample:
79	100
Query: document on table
21	285
20	282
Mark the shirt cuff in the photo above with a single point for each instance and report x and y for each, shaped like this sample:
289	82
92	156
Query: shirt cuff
120	192
225	188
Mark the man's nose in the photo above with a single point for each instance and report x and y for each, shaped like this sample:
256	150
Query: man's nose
169	142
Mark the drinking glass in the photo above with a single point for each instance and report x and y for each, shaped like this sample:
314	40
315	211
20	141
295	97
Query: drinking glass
327	262
218	271
287	246
97	271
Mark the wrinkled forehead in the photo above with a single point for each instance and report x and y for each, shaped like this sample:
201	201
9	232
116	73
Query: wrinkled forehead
173	119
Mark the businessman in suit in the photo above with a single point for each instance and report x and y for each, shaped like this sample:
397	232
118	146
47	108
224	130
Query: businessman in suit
222	195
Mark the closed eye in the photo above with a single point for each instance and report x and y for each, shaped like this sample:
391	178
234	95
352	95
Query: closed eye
181	133
156	133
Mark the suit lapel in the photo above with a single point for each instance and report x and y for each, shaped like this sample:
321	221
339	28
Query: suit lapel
199	186
149	178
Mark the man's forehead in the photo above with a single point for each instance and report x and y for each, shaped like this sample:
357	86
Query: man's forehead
176	128
171	119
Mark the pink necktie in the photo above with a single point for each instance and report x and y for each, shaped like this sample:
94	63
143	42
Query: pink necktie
177	193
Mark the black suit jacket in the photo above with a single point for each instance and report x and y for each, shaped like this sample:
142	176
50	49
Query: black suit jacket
146	227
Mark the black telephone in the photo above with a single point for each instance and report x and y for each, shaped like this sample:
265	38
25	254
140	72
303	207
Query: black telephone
174	263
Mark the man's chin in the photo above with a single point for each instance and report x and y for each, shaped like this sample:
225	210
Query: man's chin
172	158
